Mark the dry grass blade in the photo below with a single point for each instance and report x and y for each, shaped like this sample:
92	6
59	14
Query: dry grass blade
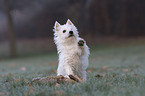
61	79
58	79
98	76
58	93
36	79
75	78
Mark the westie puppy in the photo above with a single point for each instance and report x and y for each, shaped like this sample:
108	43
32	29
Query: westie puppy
73	51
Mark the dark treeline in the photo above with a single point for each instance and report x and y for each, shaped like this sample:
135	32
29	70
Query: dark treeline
93	17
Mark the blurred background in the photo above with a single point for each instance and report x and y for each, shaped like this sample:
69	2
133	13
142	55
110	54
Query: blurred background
26	25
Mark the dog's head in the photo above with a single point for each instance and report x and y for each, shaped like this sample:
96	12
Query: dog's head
66	31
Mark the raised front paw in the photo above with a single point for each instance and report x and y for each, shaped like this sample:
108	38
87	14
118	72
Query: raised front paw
81	43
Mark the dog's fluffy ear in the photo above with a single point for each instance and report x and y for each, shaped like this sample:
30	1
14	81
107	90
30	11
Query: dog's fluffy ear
56	26
69	22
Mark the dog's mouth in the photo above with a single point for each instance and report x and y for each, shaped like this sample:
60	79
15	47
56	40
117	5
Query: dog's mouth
70	35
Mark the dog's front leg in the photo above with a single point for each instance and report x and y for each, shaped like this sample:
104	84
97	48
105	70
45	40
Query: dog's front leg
81	43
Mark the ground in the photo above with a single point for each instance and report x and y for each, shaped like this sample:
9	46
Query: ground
117	70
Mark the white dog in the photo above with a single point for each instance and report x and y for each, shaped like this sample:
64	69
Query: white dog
73	51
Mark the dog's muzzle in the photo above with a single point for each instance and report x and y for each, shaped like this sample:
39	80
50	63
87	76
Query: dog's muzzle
70	35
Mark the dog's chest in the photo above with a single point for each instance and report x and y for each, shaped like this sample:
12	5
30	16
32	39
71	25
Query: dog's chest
70	54
71	50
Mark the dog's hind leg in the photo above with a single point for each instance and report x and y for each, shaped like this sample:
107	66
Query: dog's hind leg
60	71
68	70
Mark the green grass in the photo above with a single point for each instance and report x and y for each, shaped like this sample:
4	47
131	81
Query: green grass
122	67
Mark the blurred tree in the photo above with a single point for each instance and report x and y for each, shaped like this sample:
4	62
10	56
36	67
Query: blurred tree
93	17
10	6
106	18
124	18
11	34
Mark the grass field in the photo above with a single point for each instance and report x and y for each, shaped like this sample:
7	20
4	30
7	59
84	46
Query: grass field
113	71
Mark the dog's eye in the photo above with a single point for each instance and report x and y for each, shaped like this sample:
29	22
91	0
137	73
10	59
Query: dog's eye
64	31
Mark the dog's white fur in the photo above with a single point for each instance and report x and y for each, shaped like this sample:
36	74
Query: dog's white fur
73	59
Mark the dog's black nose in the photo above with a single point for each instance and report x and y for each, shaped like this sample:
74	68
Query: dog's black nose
71	32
